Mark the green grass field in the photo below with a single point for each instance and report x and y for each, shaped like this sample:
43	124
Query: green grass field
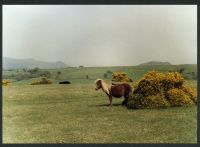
76	113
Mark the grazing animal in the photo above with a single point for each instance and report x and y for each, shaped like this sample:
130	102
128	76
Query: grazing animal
64	82
116	90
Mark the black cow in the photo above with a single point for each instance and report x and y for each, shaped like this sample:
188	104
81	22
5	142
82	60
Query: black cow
64	82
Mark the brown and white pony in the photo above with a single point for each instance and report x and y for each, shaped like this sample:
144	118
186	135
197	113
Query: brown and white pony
116	90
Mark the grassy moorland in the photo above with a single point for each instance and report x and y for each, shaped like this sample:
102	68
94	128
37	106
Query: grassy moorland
76	113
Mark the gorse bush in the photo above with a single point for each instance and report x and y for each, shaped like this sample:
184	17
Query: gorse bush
177	97
120	77
158	89
42	81
189	91
5	82
153	101
154	82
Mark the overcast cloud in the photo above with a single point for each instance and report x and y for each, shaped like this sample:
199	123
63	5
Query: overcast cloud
101	35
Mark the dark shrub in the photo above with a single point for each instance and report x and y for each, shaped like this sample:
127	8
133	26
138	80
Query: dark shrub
34	70
87	77
45	74
109	72
105	75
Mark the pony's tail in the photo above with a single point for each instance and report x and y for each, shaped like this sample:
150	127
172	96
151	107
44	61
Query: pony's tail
130	94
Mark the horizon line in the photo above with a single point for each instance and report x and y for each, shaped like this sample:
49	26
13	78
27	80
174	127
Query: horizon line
100	65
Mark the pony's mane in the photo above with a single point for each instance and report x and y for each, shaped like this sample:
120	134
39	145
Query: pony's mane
105	86
97	80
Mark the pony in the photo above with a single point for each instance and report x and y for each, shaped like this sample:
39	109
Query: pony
115	90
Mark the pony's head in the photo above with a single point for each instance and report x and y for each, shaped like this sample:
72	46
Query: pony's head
98	83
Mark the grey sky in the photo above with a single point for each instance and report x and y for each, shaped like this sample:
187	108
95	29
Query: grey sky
101	35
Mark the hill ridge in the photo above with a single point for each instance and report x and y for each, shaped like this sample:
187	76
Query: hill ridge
156	63
13	63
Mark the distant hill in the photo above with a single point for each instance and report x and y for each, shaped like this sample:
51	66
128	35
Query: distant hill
11	63
155	63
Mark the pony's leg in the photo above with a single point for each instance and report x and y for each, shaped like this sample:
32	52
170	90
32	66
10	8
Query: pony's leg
126	100
110	99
